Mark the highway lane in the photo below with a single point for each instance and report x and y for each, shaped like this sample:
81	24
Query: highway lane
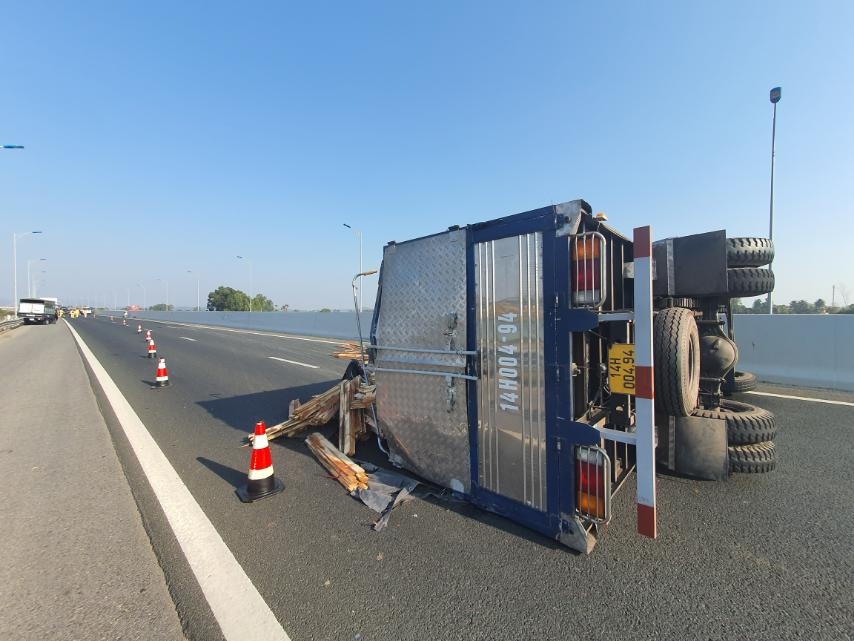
765	556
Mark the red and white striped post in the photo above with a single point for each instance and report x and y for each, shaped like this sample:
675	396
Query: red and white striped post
645	396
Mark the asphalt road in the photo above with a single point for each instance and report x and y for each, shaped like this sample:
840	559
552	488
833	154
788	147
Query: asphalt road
758	557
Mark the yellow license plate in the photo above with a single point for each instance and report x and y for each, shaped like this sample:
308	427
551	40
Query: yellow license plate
621	368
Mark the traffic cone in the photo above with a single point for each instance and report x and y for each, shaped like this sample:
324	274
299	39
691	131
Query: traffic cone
125	322
147	335
152	348
162	377
261	482
139	328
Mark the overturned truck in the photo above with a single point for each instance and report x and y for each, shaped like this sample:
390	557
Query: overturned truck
531	363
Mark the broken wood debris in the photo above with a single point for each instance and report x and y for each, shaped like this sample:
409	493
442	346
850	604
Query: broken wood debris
350	475
354	399
318	411
350	351
350	399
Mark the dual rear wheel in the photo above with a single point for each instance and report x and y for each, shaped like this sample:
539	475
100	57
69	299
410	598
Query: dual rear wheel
676	350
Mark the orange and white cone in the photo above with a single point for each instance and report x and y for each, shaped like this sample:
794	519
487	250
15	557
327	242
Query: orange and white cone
147	335
261	482
161	378
152	348
139	328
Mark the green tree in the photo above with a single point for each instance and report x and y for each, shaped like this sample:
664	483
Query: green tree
820	306
285	307
227	299
262	304
162	307
760	306
325	310
738	307
801	307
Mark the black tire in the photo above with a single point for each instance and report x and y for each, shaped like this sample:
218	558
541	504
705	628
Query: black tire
752	459
749	252
749	281
746	424
742	382
676	352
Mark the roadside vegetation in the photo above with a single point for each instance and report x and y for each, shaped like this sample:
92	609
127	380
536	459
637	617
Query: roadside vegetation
760	306
228	299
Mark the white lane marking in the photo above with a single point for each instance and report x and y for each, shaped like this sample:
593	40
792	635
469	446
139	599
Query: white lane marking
239	609
247	331
804	398
187	338
285	360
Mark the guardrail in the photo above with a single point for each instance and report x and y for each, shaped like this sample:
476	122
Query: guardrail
10	324
811	350
324	324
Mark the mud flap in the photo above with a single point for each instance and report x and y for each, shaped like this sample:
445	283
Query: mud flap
694	446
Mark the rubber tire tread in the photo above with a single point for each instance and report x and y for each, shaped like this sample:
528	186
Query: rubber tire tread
749	252
752	459
746	424
742	382
674	330
749	281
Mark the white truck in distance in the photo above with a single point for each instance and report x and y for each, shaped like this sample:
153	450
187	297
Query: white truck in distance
37	310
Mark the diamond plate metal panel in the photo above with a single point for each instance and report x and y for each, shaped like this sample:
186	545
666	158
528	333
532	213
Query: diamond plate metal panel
423	306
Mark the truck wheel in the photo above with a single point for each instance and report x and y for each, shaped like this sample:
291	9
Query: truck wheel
752	459
746	424
749	281
676	353
749	252
742	382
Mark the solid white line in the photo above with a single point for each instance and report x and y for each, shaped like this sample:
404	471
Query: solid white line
804	398
285	360
186	338
239	609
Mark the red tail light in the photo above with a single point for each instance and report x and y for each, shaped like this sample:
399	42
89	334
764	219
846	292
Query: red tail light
588	269
593	483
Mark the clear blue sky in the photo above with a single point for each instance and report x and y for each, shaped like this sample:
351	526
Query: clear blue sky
166	137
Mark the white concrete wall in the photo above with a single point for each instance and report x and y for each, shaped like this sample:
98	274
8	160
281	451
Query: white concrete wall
812	350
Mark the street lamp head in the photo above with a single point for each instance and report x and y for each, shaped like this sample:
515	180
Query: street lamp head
776	92
12	147
347	226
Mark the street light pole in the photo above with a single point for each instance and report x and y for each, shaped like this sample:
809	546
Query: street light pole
37	281
30	261
250	281
358	232
15	237
774	96
198	300
167	291
144	306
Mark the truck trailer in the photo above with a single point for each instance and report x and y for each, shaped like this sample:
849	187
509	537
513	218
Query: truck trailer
37	310
533	362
